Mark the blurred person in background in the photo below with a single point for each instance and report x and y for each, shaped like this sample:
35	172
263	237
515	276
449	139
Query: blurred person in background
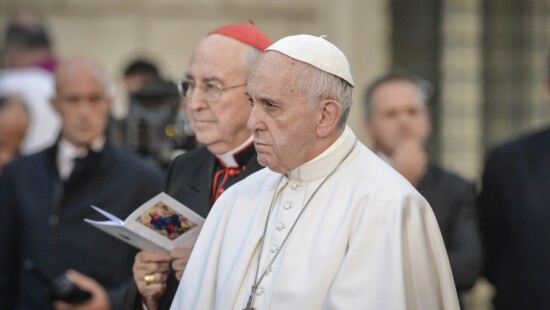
27	42
47	195
14	120
154	126
29	62
137	73
397	122
514	206
213	92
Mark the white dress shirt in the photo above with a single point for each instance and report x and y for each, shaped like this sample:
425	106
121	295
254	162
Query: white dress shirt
68	152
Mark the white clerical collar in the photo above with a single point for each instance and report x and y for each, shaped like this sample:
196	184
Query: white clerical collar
228	159
322	165
67	152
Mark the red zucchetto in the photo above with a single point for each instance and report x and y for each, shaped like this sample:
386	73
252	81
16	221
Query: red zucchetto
246	33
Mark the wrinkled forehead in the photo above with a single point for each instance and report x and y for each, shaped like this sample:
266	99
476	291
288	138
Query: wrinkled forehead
399	91
217	56
275	67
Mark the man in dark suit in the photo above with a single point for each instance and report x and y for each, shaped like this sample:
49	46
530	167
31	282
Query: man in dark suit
398	124
46	196
514	207
213	91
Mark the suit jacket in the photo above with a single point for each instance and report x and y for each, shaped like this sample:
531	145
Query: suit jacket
42	220
515	222
189	180
452	199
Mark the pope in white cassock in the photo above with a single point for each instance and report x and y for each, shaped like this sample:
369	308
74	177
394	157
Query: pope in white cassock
328	225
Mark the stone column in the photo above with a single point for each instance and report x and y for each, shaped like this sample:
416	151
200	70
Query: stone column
461	87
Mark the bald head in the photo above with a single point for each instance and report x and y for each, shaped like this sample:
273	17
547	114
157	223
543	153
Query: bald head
81	100
71	68
226	56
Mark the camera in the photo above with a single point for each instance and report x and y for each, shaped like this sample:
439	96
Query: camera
155	126
61	287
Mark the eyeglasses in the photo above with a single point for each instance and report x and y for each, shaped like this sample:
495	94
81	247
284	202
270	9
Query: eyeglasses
210	91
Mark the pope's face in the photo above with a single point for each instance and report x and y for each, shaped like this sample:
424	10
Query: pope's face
82	104
283	122
219	124
398	115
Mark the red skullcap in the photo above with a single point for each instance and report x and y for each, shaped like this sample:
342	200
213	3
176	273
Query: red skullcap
246	33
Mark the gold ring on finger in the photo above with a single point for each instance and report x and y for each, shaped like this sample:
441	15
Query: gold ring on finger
150	278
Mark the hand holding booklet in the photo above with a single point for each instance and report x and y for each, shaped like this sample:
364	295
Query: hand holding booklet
160	224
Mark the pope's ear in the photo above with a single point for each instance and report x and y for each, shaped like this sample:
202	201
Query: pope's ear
331	110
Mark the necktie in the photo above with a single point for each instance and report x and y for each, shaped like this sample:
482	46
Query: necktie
78	166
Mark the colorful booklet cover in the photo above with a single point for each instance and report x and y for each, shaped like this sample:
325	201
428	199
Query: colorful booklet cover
160	224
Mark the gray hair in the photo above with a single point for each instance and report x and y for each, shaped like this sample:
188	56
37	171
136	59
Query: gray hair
425	88
320	85
251	55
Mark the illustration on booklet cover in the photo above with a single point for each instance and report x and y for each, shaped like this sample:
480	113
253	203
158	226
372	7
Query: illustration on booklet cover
165	220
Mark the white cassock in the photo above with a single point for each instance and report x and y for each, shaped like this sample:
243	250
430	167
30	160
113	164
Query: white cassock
368	240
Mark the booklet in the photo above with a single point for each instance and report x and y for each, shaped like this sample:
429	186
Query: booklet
160	224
